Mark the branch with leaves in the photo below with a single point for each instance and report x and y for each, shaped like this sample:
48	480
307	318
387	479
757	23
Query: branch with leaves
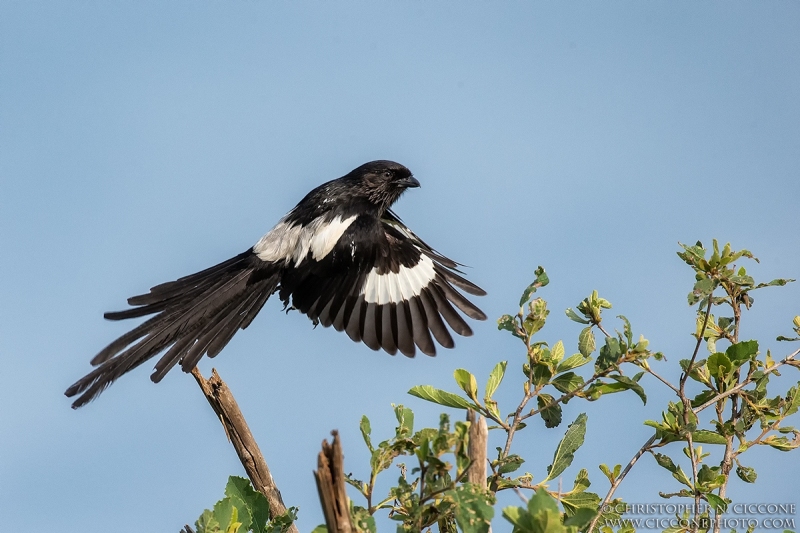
445	483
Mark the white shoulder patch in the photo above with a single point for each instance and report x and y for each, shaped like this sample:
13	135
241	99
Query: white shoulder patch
289	242
325	238
393	287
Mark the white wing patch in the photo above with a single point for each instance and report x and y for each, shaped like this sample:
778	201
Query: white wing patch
288	242
279	243
393	287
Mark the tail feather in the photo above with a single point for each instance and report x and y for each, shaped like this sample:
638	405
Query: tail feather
180	311
180	286
171	358
123	341
193	316
221	323
249	309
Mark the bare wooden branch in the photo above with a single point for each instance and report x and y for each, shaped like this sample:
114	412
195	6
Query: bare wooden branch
477	451
223	403
478	437
331	486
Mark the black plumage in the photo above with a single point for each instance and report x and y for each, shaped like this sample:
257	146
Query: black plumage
341	257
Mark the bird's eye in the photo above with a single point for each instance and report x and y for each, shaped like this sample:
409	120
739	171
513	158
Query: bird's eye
387	174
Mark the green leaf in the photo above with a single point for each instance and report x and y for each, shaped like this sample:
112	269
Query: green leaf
510	464
704	436
610	353
780	443
565	452
537	316
605	470
598	388
693	255
223	512
575	317
711	344
322	528
540	281
702	289
207	523
581	518
631	385
746	474
252	505
574	501
665	461
468	383
627	329
741	352
541	515
567	382
542	373
507	322
495	377
703	397
405	421
448	399
581	482
551	415
719	366
586	343
363	522
573	361
515	516
780	282
234	524
792	401
557	352
281	523
473	511
366	430
719	504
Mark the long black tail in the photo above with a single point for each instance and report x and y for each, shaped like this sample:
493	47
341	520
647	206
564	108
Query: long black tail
194	316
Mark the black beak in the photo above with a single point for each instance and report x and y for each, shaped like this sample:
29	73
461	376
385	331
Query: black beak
410	182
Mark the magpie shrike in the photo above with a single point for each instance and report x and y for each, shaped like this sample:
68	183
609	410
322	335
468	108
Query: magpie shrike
341	257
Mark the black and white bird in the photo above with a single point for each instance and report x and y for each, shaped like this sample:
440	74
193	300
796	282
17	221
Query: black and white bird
341	257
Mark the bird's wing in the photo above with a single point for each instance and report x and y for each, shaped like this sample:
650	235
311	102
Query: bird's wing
383	286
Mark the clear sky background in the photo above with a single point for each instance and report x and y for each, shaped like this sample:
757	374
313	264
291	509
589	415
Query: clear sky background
142	141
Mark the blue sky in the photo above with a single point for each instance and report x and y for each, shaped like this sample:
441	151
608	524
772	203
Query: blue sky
141	141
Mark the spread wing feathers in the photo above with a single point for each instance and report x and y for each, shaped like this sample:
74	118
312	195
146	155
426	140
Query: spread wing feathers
193	316
384	287
445	266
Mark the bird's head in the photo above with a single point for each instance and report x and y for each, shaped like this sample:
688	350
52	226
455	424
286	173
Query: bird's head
384	181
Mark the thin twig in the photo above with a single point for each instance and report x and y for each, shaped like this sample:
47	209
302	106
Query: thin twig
685	374
615	484
693	459
659	378
601	328
728	457
788	359
687	408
